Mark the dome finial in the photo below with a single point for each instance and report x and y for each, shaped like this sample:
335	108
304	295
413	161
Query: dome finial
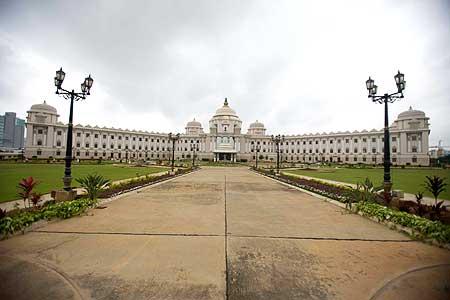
410	107
226	102
45	102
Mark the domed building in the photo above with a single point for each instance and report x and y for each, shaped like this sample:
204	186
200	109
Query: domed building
46	138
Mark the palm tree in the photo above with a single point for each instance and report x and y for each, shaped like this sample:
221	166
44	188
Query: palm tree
93	183
435	185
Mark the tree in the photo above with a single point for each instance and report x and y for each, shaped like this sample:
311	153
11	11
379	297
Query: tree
93	183
435	185
26	186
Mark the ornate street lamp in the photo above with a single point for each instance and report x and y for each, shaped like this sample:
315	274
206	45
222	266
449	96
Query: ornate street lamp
194	147
173	138
387	98
256	148
277	140
73	96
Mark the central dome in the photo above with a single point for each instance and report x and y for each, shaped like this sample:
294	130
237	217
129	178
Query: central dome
225	110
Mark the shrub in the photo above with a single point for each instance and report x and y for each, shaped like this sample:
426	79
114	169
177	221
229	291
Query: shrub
26	186
93	184
435	185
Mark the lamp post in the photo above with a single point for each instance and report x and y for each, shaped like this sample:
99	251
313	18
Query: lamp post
256	149
173	138
387	98
194	147
277	140
73	96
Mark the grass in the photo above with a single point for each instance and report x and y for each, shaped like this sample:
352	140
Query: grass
408	180
50	175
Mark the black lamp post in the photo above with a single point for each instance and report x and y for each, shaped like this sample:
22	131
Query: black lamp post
387	98
277	140
194	147
73	96
256	148
173	138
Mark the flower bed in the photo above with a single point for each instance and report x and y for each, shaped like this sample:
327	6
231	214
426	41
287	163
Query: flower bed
426	229
339	193
19	220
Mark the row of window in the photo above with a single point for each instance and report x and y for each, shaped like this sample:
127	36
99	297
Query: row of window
310	142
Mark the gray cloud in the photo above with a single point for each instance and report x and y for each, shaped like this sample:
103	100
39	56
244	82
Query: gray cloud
297	66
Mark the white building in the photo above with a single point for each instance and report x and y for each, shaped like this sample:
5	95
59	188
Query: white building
225	141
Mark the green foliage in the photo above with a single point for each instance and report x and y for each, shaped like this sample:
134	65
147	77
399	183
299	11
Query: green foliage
93	184
435	185
424	227
26	186
63	210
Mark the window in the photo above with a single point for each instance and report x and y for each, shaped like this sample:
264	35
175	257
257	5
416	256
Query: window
323	141
58	153
120	146
331	141
120	137
347	150
304	142
59	132
39	131
355	140
355	150
394	159
394	139
39	152
374	140
96	136
364	140
317	142
339	150
87	134
414	159
78	134
95	145
87	145
339	141
374	159
58	143
112	137
413	138
414	149
310	142
39	142
355	159
104	146
331	150
347	140
140	139
394	150
78	145
104	136
364	150
126	138
112	146
374	150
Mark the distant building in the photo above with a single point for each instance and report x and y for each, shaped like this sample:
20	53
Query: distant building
225	141
12	131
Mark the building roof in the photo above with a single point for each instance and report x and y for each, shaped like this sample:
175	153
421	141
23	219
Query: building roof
43	107
411	114
194	123
257	124
225	110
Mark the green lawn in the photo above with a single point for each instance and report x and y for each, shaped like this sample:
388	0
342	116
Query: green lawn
50	175
407	180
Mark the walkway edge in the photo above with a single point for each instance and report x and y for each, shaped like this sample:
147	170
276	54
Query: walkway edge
405	230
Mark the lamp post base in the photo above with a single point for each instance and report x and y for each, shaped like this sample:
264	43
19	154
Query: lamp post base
387	187
67	183
65	195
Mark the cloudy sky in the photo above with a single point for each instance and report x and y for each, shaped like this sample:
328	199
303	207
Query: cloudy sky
297	66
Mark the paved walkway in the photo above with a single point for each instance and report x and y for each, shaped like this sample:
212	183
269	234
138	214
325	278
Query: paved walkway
220	233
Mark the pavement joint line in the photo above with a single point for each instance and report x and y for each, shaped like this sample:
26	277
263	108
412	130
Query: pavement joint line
226	237
220	235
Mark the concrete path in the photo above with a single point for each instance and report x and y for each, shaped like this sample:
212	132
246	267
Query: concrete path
220	233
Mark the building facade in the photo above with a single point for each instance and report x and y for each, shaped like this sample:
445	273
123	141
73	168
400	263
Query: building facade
12	131
225	141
